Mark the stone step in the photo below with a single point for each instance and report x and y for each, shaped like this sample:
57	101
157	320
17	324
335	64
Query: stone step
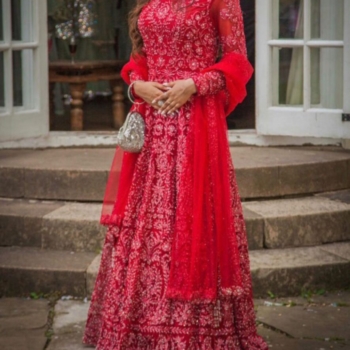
24	270
287	272
81	174
280	223
297	222
51	225
284	272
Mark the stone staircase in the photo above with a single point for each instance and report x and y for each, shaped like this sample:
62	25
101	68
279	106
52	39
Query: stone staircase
296	205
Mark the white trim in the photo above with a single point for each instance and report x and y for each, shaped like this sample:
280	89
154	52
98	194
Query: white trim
325	43
4	47
347	59
286	42
263	71
31	119
56	139
290	43
307	56
297	121
8	81
19	45
250	137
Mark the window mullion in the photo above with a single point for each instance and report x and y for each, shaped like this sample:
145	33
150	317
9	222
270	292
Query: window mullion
346	57
8	83
286	43
8	80
18	45
325	43
307	59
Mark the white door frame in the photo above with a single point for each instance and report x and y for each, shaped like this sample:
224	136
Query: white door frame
274	126
31	119
302	121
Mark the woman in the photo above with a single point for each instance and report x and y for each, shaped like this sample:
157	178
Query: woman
174	271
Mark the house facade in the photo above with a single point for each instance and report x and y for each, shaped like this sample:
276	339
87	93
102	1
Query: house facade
301	81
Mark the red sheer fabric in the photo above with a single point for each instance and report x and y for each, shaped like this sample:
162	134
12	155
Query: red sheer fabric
204	243
174	271
123	164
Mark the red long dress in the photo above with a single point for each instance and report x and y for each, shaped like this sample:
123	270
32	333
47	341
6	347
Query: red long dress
129	309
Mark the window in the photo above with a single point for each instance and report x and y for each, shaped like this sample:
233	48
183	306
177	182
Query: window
302	75
18	46
23	69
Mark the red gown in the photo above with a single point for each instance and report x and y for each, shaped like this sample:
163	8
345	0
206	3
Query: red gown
129	308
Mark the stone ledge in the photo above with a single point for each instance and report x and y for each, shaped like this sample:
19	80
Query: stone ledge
305	221
81	174
24	270
289	271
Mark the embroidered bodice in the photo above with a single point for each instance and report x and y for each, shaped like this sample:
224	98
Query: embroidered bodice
181	38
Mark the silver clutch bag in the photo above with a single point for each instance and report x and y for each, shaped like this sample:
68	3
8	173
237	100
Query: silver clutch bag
131	135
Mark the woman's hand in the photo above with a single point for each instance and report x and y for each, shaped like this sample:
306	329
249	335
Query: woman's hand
180	92
149	91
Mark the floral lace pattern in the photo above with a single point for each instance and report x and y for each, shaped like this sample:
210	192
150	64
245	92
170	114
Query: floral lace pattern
128	309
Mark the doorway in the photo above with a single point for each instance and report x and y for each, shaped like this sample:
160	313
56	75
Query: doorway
112	41
243	117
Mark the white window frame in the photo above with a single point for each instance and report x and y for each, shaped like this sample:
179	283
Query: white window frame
31	119
303	121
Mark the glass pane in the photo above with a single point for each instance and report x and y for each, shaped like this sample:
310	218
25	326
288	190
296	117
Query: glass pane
23	73
1	21
289	86
21	20
2	80
17	78
16	23
327	77
290	19
327	19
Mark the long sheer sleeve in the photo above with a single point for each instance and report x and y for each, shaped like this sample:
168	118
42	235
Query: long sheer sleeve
134	75
228	20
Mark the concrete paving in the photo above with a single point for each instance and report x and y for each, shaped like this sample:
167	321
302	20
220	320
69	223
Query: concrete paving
319	322
23	323
68	326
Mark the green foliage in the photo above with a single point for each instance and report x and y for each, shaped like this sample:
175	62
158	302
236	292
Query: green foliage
34	295
290	303
308	294
271	295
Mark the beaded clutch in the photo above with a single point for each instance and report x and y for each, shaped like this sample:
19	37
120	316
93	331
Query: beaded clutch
131	135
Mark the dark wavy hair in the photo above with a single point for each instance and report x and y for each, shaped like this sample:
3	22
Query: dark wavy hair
134	33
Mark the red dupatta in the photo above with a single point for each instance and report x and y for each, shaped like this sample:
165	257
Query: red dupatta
123	164
204	243
204	246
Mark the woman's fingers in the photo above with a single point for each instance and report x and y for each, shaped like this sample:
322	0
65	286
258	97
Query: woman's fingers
166	97
169	106
162	96
160	86
174	108
170	84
